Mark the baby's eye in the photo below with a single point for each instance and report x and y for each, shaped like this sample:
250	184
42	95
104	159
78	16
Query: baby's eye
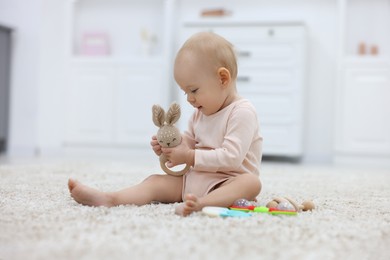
194	91
174	139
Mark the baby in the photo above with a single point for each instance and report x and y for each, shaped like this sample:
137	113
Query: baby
222	143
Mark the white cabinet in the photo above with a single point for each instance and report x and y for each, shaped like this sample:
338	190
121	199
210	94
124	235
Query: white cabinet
271	60
362	119
107	104
118	64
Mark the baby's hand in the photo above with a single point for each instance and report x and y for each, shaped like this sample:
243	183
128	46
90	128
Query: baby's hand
155	145
180	154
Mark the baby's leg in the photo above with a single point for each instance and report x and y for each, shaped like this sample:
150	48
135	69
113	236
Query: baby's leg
162	188
88	196
245	186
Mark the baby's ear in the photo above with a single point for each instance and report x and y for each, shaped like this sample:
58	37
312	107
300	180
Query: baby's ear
224	76
158	115
173	114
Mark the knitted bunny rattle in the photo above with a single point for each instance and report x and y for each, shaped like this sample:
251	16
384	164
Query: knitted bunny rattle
168	135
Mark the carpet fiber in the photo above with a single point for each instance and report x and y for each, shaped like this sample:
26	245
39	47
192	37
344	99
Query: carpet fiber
39	220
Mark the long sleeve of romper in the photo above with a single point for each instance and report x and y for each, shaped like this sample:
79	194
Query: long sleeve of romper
228	140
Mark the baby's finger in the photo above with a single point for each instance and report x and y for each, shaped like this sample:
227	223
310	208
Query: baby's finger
170	164
157	149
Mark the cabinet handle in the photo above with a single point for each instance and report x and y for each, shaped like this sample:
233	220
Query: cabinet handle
243	79
244	53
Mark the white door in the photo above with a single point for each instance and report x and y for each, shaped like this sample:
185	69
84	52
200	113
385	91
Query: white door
89	106
365	111
136	92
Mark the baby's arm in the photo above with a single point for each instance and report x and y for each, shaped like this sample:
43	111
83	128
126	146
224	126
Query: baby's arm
240	132
188	140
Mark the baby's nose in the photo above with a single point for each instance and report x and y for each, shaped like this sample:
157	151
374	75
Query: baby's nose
190	98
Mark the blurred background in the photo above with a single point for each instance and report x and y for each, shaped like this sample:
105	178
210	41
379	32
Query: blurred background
79	77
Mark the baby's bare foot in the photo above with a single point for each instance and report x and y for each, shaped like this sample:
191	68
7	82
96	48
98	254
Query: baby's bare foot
88	196
190	205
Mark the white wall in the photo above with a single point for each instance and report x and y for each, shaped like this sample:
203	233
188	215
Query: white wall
24	18
37	74
52	77
38	63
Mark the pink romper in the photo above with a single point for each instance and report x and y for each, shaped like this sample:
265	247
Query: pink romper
227	143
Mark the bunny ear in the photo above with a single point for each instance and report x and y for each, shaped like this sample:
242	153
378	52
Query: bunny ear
158	115
173	114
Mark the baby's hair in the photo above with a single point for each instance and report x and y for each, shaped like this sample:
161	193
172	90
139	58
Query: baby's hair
215	48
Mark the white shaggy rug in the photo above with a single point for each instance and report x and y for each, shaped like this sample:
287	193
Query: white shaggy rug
39	220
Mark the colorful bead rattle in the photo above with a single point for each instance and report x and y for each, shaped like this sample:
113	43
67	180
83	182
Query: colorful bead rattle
281	209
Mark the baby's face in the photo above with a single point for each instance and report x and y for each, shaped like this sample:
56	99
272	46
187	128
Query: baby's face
200	82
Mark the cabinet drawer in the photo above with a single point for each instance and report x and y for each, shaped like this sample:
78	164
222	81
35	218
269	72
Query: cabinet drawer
263	79
273	108
282	139
265	54
235	34
239	33
260	33
269	54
